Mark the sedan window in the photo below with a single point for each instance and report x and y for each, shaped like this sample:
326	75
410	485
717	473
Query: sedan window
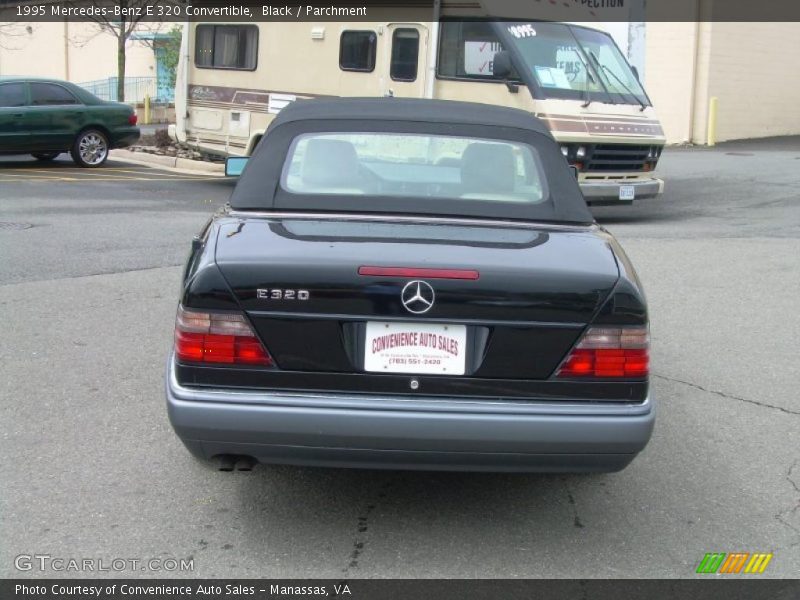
12	94
414	166
50	94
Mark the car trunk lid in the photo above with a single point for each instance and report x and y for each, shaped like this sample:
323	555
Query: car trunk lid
298	280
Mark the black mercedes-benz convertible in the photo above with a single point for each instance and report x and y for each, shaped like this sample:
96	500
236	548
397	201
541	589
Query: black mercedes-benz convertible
410	284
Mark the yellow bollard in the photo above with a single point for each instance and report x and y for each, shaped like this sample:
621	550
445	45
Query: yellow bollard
147	110
712	121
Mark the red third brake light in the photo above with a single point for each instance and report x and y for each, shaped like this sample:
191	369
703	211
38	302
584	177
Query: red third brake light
610	352
217	337
409	272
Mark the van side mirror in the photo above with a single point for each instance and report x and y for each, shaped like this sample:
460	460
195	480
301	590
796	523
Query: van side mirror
575	172
502	68
635	72
234	165
501	64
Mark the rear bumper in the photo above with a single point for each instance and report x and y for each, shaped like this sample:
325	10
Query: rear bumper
386	432
608	190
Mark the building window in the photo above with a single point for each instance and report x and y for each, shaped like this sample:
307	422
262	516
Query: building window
466	51
49	94
405	55
357	51
226	47
12	94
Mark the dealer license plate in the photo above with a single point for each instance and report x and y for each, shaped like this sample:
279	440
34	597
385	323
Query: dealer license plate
424	348
627	192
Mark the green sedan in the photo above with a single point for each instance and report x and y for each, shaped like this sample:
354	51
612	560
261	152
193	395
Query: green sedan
45	117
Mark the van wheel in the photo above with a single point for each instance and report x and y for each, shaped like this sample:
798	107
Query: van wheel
90	148
45	156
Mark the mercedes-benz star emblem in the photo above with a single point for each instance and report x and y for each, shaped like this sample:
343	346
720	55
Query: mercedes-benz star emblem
417	297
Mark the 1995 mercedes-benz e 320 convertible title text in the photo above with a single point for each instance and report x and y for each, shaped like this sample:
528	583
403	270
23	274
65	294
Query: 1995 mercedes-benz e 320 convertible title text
410	284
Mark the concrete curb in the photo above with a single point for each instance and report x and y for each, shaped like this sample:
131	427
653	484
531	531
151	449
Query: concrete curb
179	165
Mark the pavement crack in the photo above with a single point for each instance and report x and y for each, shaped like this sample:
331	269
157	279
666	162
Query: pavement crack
793	483
576	517
728	396
362	528
784	516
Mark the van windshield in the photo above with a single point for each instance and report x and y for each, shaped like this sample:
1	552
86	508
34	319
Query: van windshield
575	63
414	165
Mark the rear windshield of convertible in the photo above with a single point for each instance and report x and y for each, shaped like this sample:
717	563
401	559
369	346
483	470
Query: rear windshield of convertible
414	166
405	156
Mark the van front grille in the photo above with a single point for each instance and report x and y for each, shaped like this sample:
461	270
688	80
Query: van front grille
618	157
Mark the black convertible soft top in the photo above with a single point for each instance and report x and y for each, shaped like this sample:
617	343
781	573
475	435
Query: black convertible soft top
259	188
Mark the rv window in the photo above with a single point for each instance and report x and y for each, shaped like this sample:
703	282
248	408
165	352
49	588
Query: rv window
405	55
466	51
226	47
357	51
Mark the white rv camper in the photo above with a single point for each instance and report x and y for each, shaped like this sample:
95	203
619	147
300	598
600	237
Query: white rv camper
233	79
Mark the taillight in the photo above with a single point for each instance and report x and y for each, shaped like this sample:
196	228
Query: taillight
133	119
610	352
218	338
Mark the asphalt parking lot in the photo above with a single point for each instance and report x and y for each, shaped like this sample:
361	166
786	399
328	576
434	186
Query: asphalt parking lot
88	283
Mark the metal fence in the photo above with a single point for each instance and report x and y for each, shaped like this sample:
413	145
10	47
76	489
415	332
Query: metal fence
136	88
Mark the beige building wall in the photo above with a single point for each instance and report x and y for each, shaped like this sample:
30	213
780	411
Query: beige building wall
77	52
669	75
748	67
754	74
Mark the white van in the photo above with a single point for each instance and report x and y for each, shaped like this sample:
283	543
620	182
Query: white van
234	78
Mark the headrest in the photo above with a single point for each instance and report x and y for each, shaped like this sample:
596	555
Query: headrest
330	163
488	168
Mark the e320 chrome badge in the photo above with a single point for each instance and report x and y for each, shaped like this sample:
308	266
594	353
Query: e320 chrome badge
418	297
279	294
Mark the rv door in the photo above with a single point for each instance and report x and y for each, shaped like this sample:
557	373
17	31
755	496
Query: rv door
403	64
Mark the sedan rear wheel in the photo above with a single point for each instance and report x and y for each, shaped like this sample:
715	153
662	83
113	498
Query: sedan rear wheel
45	156
90	148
